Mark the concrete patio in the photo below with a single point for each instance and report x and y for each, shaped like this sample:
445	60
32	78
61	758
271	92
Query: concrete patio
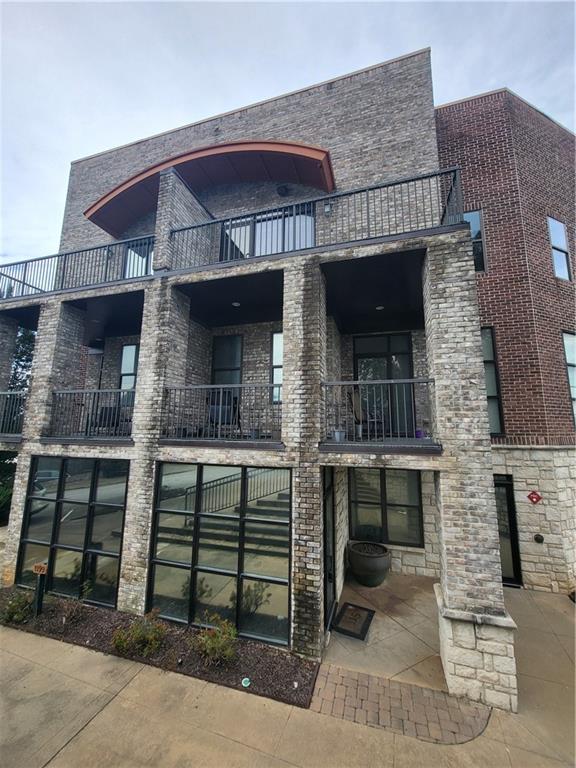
64	706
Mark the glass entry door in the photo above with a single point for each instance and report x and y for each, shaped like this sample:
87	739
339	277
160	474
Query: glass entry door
387	410
507	530
329	548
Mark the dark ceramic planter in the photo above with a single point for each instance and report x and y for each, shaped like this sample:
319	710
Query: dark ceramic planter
369	562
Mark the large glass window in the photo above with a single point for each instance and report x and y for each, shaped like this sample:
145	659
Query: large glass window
128	366
474	218
277	367
492	382
221	544
288	229
386	506
73	521
570	354
559	243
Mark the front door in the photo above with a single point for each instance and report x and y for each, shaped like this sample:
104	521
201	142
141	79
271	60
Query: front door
507	530
329	548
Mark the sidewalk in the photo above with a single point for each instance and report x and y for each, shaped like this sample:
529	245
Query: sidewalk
68	706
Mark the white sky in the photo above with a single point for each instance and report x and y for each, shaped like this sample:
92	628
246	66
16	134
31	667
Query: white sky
79	78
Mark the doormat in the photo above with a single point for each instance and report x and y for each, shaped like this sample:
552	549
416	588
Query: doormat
353	621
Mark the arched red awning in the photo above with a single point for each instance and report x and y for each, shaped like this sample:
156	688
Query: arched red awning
231	163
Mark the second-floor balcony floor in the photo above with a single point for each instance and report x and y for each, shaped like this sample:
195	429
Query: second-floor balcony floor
391	210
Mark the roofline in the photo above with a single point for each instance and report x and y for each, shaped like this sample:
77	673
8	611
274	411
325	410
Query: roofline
257	104
510	92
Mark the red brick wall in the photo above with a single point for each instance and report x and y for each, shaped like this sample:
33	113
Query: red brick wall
518	168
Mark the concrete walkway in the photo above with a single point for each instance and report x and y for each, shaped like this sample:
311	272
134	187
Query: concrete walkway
69	706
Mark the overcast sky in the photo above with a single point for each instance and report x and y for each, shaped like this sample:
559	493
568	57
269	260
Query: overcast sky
79	78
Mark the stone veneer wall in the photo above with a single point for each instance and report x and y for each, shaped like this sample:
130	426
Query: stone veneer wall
8	333
551	471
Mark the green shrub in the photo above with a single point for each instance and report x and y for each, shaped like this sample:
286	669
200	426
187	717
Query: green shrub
18	609
216	644
142	638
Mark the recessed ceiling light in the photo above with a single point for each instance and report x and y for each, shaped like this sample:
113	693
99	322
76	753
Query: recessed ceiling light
235	303
379	308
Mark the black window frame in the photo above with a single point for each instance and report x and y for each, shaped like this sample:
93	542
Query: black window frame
498	397
568	366
274	399
479	258
238	368
194	568
385	539
134	373
53	546
559	249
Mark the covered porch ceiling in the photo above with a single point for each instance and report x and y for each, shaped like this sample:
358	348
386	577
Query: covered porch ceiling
256	298
377	293
231	163
114	315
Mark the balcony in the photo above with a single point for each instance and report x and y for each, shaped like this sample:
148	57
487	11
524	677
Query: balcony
99	414
386	210
123	260
11	413
393	413
244	413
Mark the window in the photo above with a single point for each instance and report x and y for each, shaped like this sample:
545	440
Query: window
221	544
474	218
277	366
128	366
386	506
227	360
288	229
560	258
492	382
570	354
73	521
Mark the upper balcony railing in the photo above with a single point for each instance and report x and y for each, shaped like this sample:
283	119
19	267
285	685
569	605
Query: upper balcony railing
92	413
123	260
385	210
12	412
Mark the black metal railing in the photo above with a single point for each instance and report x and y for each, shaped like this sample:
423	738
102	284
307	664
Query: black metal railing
236	412
92	413
224	492
388	411
122	260
400	207
12	412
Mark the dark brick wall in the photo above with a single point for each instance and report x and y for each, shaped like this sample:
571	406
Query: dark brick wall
517	167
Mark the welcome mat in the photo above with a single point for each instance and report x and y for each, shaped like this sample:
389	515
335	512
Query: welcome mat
353	621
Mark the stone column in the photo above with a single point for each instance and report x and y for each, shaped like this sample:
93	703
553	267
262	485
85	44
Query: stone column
177	207
162	360
8	334
476	633
304	324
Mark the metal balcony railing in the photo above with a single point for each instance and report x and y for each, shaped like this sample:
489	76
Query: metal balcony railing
12	412
388	411
236	412
122	260
396	208
94	413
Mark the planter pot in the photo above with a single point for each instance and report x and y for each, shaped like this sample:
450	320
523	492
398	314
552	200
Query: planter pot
358	431
339	435
369	562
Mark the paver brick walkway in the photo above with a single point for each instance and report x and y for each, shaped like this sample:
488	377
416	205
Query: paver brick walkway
407	709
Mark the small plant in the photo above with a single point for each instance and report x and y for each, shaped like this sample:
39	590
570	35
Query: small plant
71	610
142	638
18	609
216	644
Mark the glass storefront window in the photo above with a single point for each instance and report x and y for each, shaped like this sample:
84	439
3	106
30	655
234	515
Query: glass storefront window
239	522
75	507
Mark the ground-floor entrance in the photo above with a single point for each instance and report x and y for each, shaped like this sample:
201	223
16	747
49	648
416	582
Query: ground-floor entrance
507	530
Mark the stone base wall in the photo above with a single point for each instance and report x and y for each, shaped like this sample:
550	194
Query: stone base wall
478	658
550	566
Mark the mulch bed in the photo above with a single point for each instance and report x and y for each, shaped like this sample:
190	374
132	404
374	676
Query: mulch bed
273	672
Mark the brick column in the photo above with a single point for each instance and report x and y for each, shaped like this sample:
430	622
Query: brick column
476	635
164	319
304	324
177	207
8	333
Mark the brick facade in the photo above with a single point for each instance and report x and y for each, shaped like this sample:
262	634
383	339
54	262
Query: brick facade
503	146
